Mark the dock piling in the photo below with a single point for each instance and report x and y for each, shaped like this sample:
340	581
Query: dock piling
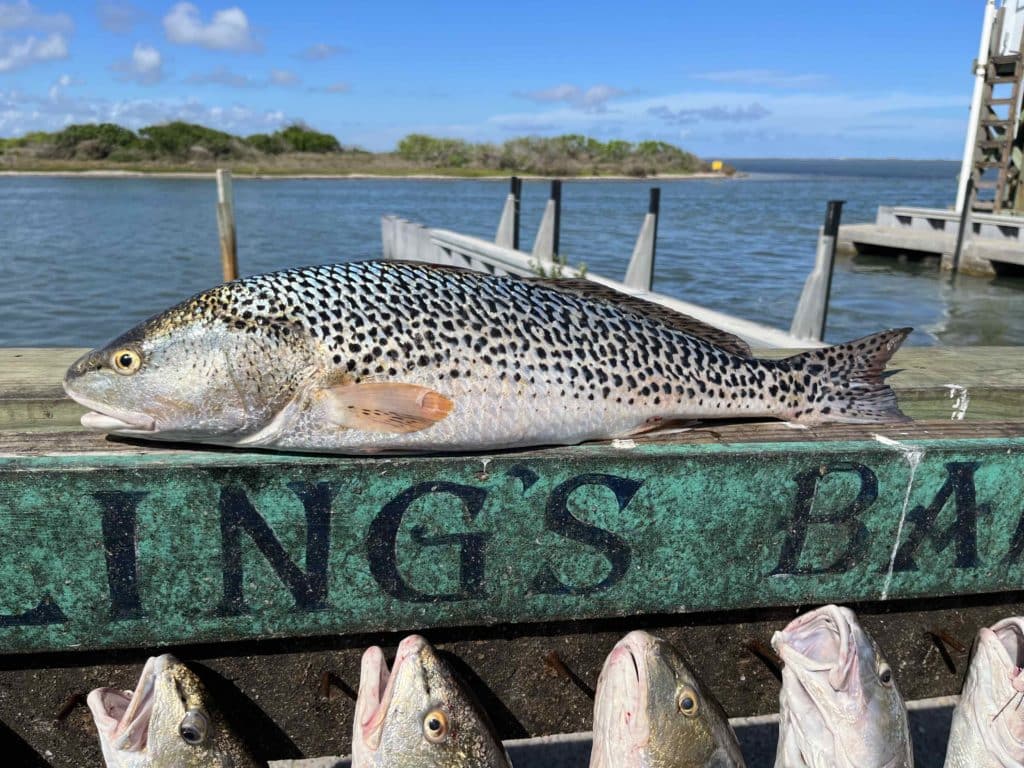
964	229
640	272
545	245
508	226
812	310
226	225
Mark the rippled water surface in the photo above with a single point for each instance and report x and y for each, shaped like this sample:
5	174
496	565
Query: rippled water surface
83	259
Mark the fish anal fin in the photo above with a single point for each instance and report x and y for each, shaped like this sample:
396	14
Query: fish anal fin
386	406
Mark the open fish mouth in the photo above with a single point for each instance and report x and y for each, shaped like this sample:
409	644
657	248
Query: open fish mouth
1009	636
377	687
819	641
123	717
104	418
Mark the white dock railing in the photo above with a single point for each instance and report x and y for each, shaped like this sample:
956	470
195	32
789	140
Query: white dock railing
406	240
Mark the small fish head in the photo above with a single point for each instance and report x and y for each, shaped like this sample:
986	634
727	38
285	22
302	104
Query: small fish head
651	709
185	374
165	722
419	715
841	689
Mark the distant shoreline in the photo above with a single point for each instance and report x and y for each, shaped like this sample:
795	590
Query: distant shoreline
126	174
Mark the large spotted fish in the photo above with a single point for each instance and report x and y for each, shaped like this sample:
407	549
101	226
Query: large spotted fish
400	357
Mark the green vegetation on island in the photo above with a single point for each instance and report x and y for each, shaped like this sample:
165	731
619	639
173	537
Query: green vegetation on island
298	149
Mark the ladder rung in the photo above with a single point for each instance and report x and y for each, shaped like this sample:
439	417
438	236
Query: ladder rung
994	102
1000	79
992	144
985	184
983	205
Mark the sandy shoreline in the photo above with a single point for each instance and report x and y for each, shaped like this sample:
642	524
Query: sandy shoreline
121	174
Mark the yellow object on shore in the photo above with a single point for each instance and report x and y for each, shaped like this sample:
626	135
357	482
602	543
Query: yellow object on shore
716	165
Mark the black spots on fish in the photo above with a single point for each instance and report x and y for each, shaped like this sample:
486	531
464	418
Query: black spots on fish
773	390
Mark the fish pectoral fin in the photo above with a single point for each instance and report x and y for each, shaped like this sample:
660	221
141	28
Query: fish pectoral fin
386	406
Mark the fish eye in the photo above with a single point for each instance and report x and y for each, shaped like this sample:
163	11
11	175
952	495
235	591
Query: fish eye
194	727
126	361
687	703
435	726
885	675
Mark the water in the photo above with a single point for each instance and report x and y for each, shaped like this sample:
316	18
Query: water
83	259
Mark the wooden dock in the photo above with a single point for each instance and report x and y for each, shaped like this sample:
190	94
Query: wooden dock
274	571
993	244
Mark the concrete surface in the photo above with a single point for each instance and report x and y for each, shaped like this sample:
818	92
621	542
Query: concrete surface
929	727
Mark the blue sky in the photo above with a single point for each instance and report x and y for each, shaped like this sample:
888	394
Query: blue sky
734	79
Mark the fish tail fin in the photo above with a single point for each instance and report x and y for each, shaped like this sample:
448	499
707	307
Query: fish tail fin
844	382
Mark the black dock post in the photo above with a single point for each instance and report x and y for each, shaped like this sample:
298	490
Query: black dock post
517	195
833	214
654	208
556	195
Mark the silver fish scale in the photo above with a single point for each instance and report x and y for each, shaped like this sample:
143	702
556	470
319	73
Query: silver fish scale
523	363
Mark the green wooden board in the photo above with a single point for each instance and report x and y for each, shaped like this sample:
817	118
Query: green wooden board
127	547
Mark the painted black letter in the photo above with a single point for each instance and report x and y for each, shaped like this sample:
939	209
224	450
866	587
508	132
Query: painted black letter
309	587
559	519
119	548
847	519
962	532
382	545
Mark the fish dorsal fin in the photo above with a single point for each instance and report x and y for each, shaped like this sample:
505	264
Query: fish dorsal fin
381	406
649	309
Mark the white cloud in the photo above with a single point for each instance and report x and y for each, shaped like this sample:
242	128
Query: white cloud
223	76
18	54
594	99
20	113
283	77
227	31
232	79
119	16
754	111
146	66
765	77
22	15
321	51
56	92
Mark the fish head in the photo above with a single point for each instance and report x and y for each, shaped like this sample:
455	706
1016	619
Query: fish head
840	691
189	373
651	710
167	722
418	715
994	689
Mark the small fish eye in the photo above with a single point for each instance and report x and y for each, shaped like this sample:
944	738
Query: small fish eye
687	702
435	726
885	674
194	727
126	361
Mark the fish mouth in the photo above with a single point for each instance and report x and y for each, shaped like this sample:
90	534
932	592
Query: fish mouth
105	418
1009	634
123	717
820	641
377	687
622	691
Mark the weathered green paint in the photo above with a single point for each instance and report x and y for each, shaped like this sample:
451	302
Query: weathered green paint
659	527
